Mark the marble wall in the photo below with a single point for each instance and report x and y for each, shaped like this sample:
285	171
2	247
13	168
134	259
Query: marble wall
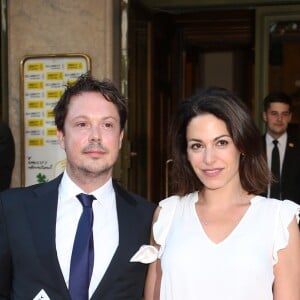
38	27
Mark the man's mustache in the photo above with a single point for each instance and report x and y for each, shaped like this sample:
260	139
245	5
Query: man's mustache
94	147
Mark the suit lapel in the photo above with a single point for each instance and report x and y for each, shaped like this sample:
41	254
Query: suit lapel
289	159
42	220
126	223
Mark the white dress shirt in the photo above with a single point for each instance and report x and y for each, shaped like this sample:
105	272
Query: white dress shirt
282	141
105	227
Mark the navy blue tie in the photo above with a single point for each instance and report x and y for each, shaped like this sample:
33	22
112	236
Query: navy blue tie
82	259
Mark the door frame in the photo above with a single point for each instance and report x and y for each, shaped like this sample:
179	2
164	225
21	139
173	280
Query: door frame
3	63
265	16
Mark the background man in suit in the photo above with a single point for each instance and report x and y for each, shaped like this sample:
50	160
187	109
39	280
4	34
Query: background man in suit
7	156
277	116
38	224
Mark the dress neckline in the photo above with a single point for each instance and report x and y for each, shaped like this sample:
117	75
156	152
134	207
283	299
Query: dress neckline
195	198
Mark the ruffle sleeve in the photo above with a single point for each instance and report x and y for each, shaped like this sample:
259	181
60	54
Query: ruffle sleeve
147	253
287	211
162	226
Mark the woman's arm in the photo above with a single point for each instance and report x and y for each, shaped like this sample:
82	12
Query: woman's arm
153	280
287	269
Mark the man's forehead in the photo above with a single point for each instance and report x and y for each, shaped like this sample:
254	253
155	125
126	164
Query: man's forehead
279	106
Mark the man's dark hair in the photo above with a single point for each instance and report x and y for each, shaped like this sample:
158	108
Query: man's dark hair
277	97
86	83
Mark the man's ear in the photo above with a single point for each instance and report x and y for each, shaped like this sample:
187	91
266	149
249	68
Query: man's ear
121	138
61	138
264	116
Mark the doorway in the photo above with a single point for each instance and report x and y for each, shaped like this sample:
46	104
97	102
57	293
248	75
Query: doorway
170	56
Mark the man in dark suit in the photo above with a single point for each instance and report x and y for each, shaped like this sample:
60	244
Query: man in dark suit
40	256
277	116
7	156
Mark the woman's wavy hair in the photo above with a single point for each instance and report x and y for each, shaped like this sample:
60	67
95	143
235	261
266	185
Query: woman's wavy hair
253	168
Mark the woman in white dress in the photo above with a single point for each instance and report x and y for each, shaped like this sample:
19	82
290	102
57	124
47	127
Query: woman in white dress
217	238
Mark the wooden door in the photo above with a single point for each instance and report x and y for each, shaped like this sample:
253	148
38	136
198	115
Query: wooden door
165	66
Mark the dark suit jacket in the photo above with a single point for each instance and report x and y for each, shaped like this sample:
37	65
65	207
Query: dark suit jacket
7	156
290	174
28	259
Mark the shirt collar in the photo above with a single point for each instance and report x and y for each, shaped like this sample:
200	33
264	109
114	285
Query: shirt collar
68	190
281	140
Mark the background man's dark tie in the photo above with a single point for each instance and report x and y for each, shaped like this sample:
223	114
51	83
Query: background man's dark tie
275	168
82	259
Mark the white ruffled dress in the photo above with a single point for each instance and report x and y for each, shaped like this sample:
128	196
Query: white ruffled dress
238	268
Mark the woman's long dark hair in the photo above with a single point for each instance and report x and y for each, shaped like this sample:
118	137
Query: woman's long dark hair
253	169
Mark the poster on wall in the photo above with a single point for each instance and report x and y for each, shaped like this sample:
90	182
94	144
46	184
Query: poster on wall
43	81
